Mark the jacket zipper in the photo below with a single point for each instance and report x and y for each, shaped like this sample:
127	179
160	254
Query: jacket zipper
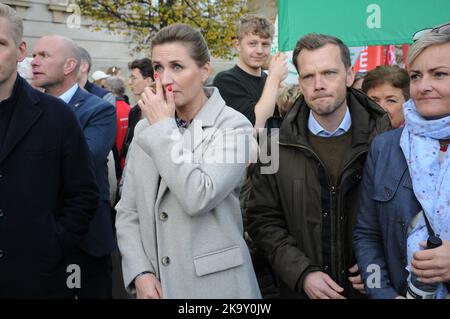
333	187
342	276
350	163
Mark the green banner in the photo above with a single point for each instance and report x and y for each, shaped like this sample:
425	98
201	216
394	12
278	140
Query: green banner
358	22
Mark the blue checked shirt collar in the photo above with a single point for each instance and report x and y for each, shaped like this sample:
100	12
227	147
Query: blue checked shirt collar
68	95
318	130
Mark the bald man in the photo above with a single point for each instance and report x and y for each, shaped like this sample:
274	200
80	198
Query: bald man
55	65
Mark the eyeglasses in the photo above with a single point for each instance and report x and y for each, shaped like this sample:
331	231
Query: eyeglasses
443	28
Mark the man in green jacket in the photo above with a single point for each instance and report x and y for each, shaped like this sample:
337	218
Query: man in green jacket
302	215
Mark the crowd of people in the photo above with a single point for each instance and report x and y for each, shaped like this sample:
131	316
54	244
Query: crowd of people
167	198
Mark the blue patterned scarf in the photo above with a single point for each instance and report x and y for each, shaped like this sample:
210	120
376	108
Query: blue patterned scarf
430	176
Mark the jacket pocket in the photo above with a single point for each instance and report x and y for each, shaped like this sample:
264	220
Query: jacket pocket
385	189
218	260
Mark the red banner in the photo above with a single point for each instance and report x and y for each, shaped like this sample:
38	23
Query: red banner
405	49
390	55
369	58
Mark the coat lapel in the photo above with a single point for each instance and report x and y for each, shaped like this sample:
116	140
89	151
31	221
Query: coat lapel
162	188
23	118
205	118
77	99
195	135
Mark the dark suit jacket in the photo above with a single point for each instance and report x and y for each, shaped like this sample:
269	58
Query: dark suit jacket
95	89
48	195
98	122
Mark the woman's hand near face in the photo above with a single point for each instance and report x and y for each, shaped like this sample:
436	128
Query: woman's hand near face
432	265
159	105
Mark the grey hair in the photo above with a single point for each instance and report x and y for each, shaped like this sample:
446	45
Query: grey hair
425	41
116	85
15	22
86	57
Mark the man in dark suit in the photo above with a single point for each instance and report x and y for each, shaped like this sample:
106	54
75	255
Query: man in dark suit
83	81
48	193
55	68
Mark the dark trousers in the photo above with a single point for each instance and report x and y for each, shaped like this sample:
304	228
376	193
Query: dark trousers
96	276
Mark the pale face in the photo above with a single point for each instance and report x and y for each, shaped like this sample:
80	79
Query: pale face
391	99
49	63
323	79
174	65
430	81
253	52
137	82
10	54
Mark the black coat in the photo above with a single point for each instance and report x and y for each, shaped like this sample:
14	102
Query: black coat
48	195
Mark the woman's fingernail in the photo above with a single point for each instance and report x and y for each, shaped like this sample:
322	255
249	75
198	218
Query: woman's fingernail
169	88
156	75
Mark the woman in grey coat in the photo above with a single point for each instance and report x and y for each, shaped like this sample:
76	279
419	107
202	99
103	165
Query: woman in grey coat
179	225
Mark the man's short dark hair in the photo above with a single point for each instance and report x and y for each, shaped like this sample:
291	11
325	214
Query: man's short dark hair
144	65
314	41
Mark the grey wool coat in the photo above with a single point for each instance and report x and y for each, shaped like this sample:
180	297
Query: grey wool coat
179	215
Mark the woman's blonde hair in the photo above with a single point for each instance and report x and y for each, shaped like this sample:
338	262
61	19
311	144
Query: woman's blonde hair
287	97
428	39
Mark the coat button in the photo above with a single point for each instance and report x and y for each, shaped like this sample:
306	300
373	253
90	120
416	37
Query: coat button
333	190
324	213
163	216
388	191
1	174
2	253
165	261
1	213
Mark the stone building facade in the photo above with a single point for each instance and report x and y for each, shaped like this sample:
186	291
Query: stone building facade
42	17
60	17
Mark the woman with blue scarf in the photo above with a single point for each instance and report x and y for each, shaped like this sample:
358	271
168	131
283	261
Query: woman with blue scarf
407	183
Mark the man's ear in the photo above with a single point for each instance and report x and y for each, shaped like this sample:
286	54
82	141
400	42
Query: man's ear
22	51
84	67
237	44
350	78
70	65
148	80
